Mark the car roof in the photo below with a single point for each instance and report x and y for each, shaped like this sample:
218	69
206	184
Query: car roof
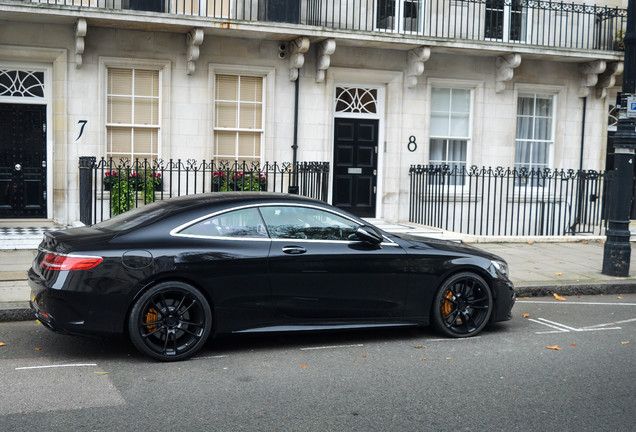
233	198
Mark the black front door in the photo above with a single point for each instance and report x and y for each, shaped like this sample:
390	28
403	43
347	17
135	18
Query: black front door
355	165
22	161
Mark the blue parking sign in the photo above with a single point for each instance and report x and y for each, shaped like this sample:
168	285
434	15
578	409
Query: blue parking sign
631	107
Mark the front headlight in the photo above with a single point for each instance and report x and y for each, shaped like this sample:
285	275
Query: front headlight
501	266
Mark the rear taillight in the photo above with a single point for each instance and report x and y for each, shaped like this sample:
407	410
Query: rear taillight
52	261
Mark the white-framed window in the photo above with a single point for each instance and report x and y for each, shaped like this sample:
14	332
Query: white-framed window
535	130
239	117
208	8
450	128
403	16
506	20
133	112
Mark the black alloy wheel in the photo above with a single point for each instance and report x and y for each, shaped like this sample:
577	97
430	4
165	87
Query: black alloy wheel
171	321
462	306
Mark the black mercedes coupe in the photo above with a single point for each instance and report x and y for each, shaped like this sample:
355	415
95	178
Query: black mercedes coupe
173	273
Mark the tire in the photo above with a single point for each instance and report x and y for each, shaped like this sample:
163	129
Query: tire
462	306
170	322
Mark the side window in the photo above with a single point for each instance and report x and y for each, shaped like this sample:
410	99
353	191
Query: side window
307	223
245	223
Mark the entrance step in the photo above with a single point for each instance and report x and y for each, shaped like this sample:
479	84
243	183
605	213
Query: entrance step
404	228
23	237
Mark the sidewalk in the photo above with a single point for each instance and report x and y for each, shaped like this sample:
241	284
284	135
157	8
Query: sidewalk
536	269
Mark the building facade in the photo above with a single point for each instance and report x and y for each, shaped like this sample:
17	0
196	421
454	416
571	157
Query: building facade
370	86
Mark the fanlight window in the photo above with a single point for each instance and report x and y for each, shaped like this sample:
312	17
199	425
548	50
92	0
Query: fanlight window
356	100
17	83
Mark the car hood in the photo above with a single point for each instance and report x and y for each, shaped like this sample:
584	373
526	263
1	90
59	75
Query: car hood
446	245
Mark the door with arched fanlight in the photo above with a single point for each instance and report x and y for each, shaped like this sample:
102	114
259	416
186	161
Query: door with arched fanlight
23	149
355	160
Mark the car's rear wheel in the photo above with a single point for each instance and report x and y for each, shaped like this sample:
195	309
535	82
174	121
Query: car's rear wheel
171	321
462	306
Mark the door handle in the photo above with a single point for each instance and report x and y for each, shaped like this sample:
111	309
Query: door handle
17	167
294	250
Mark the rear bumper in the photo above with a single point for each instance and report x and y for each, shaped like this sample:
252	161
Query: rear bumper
76	312
47	320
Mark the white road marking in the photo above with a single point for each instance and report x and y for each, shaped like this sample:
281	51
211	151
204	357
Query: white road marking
562	328
56	366
454	339
559	329
613	323
575	303
331	347
208	357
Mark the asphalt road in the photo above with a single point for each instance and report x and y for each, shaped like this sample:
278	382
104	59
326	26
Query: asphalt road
399	380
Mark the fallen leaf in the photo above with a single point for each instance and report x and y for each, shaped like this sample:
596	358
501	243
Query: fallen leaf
559	274
419	346
585	242
364	355
449	358
626	342
573	344
526	315
559	262
2	344
100	373
423	358
620	297
530	242
38	349
558	297
304	367
555	347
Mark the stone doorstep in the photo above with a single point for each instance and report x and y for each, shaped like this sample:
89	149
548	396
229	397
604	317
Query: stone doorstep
14	275
20	223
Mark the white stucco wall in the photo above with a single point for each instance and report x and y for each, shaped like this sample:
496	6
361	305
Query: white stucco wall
187	111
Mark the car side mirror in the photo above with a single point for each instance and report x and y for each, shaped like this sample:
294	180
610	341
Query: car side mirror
369	235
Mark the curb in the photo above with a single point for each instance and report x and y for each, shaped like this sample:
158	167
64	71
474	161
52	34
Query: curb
573	289
16	314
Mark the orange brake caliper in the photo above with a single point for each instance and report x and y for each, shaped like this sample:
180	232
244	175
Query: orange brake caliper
447	306
151	316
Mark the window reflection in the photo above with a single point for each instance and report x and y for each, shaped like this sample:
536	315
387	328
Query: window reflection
238	223
307	223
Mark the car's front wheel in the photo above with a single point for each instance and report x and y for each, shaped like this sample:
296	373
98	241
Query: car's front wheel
462	306
171	321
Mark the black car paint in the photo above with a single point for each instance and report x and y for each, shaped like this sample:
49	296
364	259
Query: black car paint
233	275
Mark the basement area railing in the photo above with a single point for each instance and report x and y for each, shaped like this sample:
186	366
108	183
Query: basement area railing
508	201
109	187
526	22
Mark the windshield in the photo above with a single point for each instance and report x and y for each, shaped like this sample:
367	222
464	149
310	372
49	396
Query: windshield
134	218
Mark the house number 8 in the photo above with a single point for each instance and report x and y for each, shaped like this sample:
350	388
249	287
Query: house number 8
412	145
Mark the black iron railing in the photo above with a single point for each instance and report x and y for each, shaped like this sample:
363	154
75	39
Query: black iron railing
109	187
529	22
508	201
